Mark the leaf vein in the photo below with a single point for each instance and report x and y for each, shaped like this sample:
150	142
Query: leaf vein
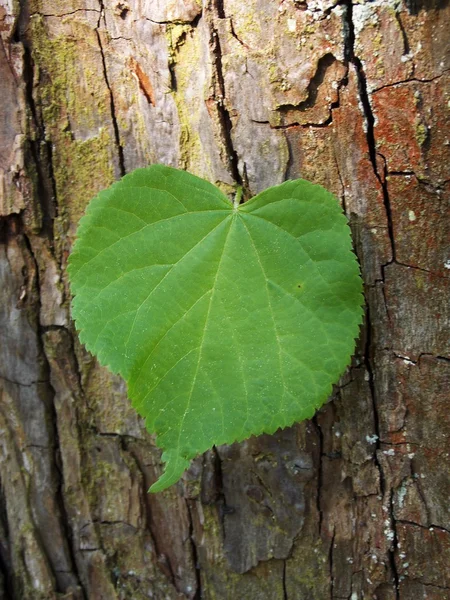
183	316
270	307
201	347
121	239
166	275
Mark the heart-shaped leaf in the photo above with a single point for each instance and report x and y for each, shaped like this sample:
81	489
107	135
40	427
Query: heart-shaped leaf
225	321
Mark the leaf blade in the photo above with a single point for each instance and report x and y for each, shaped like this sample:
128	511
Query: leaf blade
212	312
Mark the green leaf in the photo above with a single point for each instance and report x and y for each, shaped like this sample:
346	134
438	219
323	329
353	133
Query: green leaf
225	321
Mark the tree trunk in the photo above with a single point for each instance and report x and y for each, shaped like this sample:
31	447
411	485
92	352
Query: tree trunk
354	503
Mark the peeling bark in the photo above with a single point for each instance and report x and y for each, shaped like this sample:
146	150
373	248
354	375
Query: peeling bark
354	503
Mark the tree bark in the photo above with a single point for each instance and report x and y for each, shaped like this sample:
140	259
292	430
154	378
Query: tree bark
354	503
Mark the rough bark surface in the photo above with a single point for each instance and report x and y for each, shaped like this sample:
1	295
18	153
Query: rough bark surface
353	504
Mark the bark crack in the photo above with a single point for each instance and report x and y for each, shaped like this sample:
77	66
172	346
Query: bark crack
296	124
323	64
431	585
285	594
236	37
198	592
319	473
410	80
192	23
6	569
427	527
223	509
406	47
351	57
226	124
65	14
21	384
439	275
394	547
63	520
115	123
330	562
380	174
163	562
40	148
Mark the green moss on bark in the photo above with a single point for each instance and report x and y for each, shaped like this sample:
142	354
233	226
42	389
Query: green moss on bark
75	106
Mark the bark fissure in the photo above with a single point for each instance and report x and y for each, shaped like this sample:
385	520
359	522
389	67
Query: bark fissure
374	154
285	593
40	146
26	385
42	155
426	527
66	14
369	117
416	268
324	63
296	124
198	595
406	47
330	564
114	120
409	80
220	97
63	520
319	473
194	23
163	562
393	550
237	38
431	585
220	499
6	570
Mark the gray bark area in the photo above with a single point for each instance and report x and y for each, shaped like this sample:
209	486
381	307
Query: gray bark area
354	503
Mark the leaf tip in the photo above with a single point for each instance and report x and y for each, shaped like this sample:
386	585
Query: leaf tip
176	465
